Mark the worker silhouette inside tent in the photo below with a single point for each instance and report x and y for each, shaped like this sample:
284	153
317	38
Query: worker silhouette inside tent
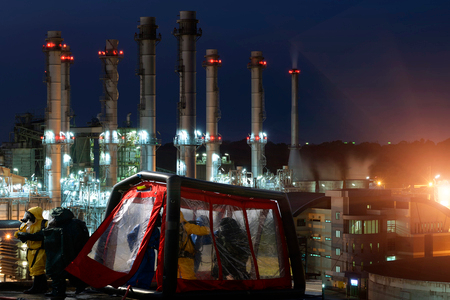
234	251
200	241
144	275
186	252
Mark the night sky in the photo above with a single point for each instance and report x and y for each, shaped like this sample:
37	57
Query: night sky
371	71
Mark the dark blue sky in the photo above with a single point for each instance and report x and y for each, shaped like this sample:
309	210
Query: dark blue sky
374	71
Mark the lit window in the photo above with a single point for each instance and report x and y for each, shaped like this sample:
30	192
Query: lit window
338	269
390	258
355	226
368	227
338	233
338	215
390	226
338	251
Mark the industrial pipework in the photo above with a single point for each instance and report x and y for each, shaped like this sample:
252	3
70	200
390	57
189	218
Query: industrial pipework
109	139
52	135
257	139
187	138
66	62
147	40
294	154
212	138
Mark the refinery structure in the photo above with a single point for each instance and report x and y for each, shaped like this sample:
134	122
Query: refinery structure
51	164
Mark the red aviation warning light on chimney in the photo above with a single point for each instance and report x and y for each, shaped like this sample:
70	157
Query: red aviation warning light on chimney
111	53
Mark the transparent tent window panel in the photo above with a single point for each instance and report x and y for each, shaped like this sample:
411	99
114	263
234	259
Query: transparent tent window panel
266	242
119	244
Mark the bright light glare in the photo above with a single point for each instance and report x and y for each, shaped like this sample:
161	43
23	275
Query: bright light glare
430	184
444	195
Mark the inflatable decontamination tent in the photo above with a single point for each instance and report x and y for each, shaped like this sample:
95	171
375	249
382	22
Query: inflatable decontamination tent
207	239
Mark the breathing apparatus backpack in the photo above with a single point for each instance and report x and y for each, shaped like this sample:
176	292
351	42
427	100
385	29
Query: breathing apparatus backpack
184	239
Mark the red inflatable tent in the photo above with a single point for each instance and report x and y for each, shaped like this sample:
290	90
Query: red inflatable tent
260	257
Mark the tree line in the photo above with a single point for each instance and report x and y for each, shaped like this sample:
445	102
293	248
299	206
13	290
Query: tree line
396	165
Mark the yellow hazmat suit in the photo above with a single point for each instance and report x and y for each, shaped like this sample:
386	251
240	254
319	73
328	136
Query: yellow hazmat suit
35	252
187	250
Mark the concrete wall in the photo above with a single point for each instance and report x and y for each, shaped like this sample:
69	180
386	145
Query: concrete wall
387	288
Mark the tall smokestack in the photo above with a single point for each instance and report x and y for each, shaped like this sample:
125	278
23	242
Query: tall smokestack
187	139
257	139
66	62
212	138
109	140
147	41
52	135
294	154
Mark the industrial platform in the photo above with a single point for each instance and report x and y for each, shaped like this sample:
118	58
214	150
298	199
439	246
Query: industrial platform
13	291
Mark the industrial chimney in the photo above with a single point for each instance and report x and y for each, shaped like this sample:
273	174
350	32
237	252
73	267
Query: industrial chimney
52	134
212	139
147	41
187	138
66	62
109	139
257	139
294	154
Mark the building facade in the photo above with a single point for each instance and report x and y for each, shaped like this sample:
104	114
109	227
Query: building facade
366	227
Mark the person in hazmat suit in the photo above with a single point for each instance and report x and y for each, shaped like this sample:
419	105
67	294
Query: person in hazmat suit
34	222
144	275
200	242
63	239
186	252
234	251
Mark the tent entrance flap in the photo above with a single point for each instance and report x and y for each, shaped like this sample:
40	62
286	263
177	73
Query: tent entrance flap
114	252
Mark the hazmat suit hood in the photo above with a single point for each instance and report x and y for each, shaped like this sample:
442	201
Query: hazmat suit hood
37	213
60	216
